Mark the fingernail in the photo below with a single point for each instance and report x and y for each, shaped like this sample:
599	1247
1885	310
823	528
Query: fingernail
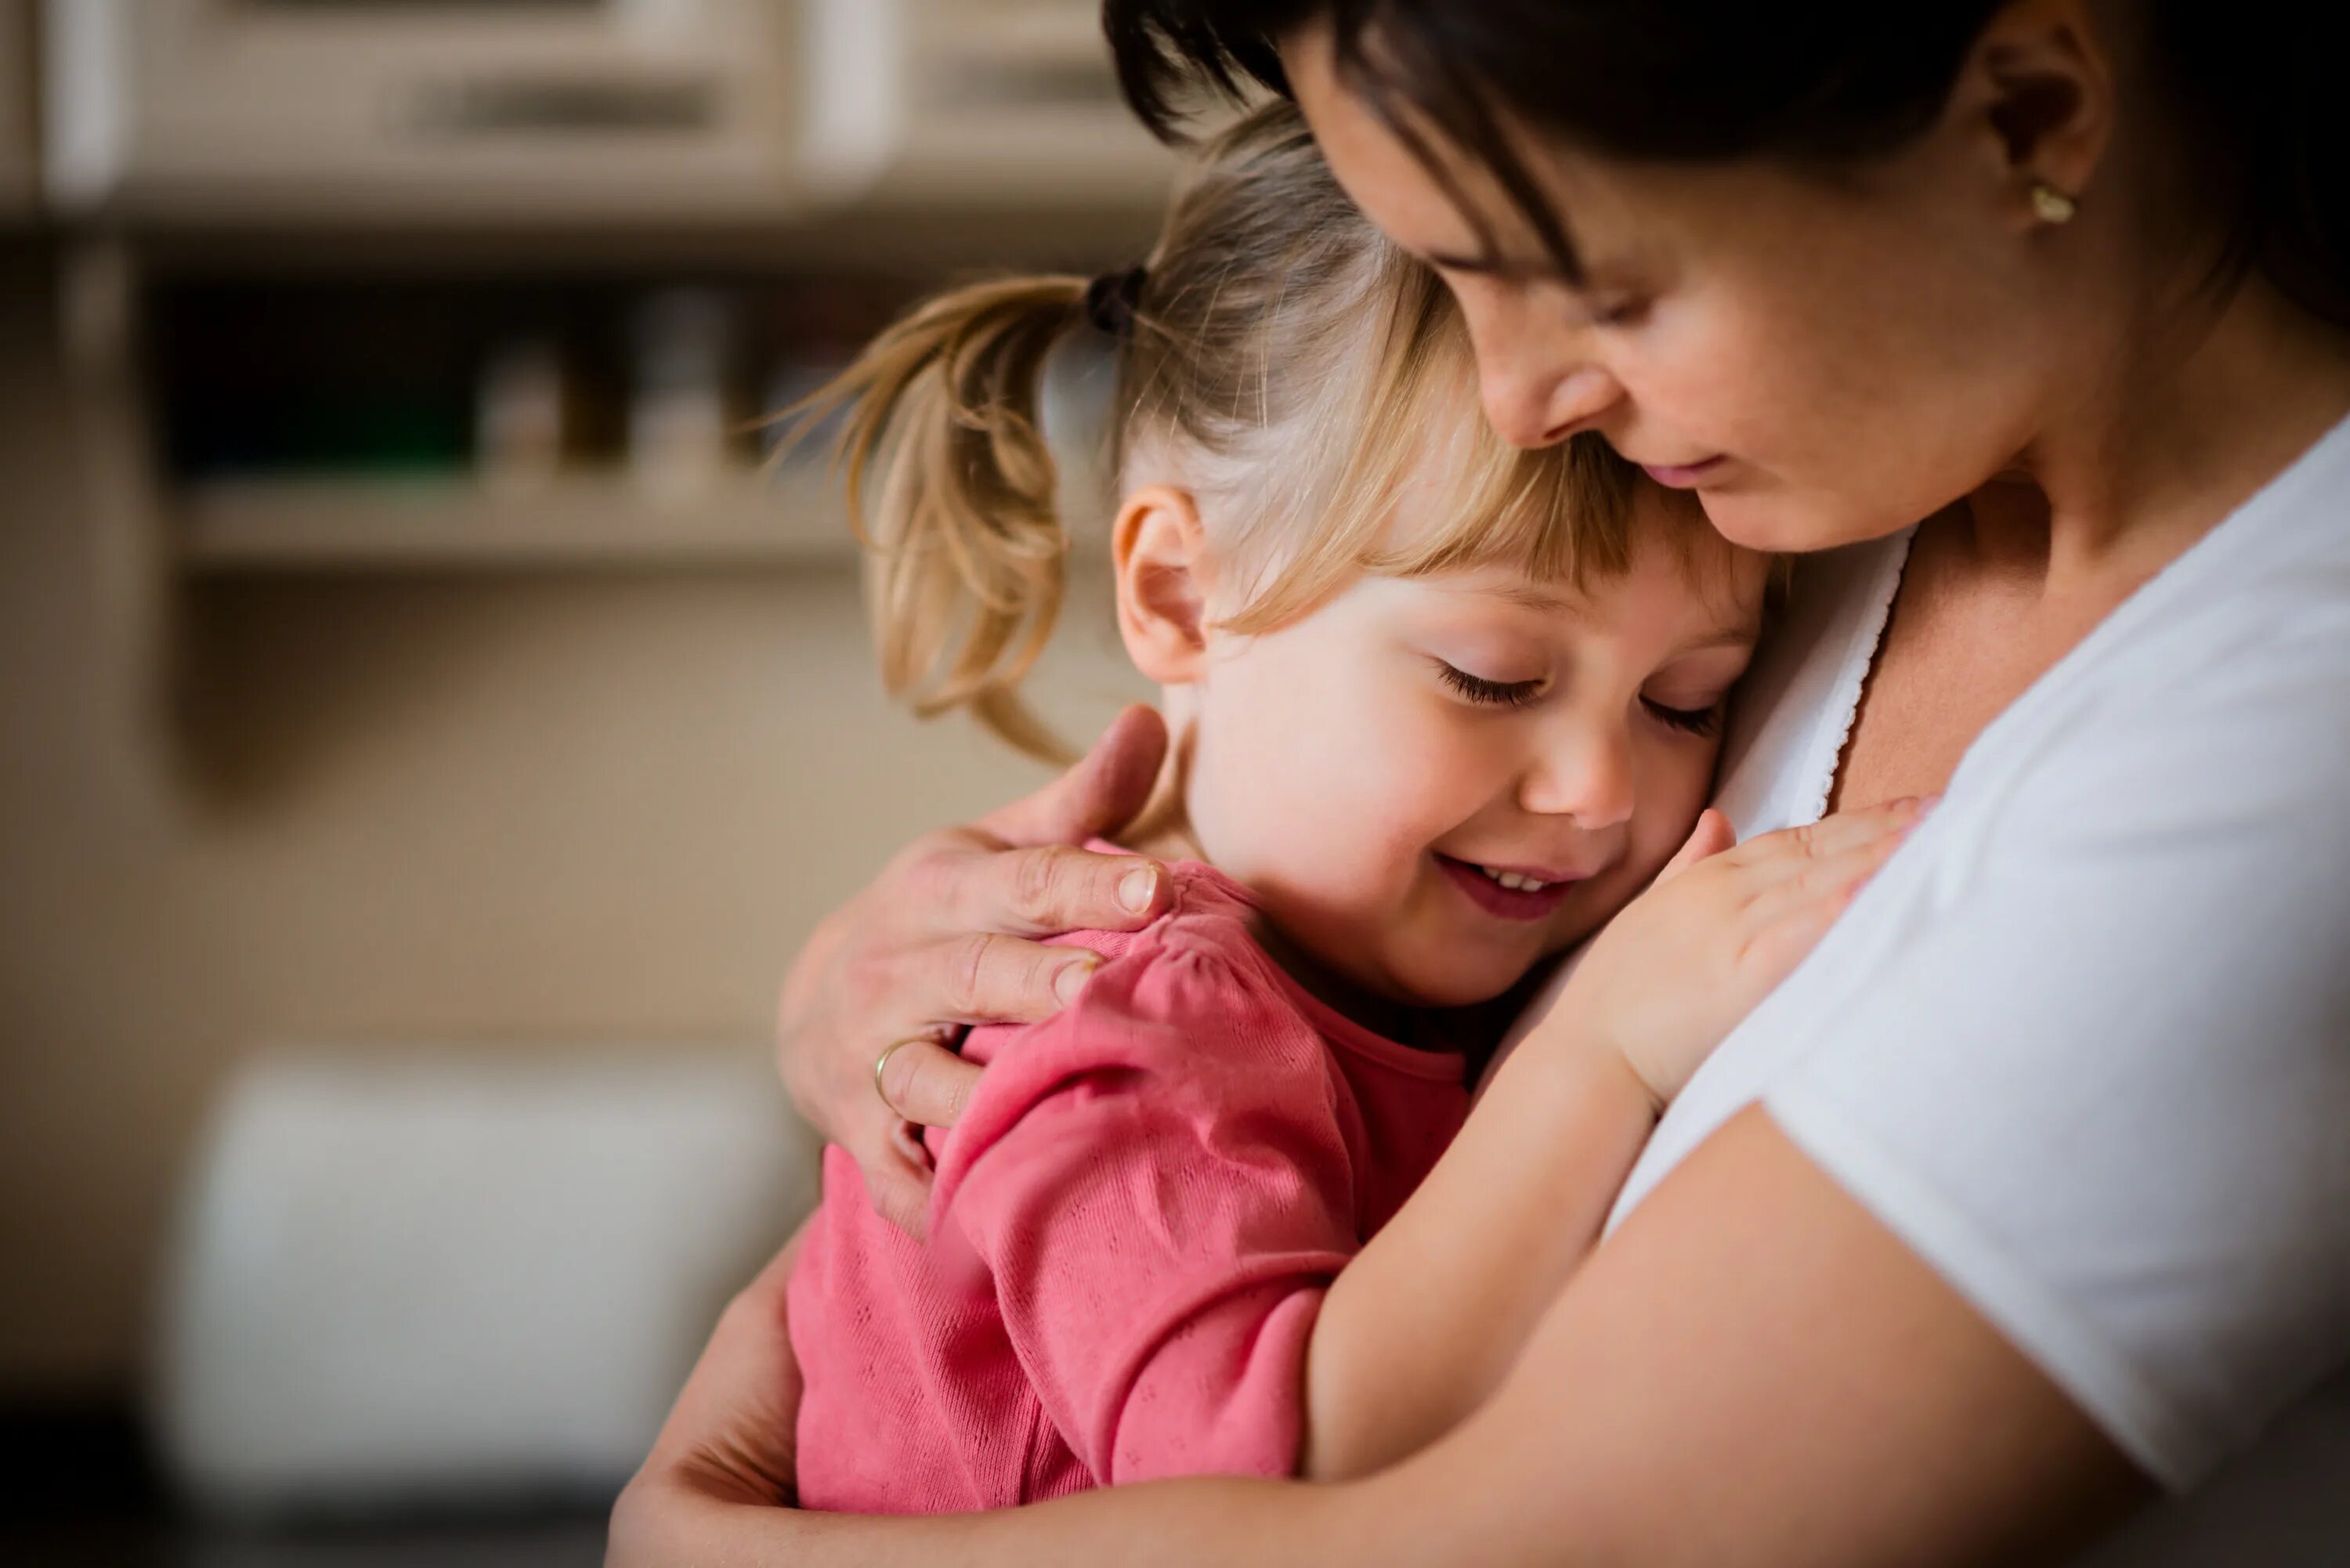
1139	889
1070	984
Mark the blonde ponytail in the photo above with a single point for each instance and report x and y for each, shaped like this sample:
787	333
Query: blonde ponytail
966	549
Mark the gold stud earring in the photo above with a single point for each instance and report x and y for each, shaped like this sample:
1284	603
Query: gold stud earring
2051	206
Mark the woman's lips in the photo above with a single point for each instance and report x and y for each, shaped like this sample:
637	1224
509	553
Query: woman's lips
1687	477
1509	903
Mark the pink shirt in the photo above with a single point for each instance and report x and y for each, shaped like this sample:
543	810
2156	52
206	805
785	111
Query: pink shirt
1133	1230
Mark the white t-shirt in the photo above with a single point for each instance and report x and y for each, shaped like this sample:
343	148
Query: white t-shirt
2085	1044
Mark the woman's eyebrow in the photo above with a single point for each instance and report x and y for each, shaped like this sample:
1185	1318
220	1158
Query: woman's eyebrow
1491	266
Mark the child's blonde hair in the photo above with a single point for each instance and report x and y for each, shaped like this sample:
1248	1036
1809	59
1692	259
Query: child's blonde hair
1289	362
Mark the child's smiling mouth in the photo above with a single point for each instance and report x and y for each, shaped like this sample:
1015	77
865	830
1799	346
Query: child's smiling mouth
1500	890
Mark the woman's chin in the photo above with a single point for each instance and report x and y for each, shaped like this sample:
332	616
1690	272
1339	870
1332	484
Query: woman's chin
1789	523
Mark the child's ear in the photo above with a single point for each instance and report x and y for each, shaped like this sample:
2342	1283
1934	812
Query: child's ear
1160	556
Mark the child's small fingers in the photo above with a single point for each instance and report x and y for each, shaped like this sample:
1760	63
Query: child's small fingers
1712	836
1829	880
1770	858
1845	830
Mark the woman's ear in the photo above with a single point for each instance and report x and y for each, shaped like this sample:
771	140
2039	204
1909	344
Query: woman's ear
1160	556
2038	87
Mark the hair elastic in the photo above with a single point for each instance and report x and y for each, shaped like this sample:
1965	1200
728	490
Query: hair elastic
1111	300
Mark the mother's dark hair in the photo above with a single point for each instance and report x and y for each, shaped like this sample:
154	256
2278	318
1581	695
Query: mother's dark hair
2255	84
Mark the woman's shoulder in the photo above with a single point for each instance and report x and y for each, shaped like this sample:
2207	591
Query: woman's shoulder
2209	708
2263	596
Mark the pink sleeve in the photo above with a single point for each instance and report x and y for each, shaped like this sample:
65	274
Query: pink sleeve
1157	1184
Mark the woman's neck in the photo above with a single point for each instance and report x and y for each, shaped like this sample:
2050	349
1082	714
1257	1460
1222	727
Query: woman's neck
1998	589
2166	443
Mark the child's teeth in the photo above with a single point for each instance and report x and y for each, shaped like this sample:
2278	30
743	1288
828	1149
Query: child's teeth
1513	881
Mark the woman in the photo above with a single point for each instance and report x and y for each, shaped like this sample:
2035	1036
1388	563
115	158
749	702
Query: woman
2026	1201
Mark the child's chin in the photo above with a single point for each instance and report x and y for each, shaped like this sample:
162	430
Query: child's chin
1465	985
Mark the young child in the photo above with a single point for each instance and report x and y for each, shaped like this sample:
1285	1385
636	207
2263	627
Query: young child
1440	709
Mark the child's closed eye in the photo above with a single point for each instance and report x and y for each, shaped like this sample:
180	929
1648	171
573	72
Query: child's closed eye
1689	720
1488	694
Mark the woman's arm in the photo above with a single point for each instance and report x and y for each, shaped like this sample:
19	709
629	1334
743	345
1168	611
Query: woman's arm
939	940
733	1434
1753	1370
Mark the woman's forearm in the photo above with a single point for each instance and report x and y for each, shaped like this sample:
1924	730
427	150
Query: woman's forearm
1424	1325
671	1524
1733	1378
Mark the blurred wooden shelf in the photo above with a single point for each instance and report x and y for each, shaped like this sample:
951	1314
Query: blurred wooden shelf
584	522
20	159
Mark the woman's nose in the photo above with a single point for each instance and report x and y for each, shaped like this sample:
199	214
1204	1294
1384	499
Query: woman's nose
1545	409
1586	775
1537	386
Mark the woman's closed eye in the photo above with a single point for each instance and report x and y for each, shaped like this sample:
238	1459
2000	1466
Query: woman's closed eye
1490	693
1621	311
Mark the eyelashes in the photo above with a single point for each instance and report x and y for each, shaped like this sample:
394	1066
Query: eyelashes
1689	721
1488	694
1507	694
1620	313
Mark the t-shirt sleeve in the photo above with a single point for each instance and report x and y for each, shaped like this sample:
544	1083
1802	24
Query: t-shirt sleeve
2103	1083
1159	1187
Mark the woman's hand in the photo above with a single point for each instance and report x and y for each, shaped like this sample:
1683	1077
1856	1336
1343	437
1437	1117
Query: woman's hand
1666	981
942	940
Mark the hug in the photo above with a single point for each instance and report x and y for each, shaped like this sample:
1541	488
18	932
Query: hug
1727	942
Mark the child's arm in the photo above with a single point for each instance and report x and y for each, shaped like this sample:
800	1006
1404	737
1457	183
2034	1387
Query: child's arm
1425	1322
1157	1190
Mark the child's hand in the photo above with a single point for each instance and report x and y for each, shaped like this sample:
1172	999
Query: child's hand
1668	979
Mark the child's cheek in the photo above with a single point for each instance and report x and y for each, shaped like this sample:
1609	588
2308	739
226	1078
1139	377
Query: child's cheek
1344	769
1673	789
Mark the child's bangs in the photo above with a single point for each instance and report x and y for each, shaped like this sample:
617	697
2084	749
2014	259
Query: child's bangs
1560	514
1391	467
1413	482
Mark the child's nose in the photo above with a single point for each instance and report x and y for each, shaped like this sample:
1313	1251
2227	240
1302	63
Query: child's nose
1586	775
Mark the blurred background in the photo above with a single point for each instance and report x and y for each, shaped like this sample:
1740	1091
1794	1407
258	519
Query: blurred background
435	717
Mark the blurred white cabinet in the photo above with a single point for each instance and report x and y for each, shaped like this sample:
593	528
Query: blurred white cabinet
489	113
957	102
407	1274
479	112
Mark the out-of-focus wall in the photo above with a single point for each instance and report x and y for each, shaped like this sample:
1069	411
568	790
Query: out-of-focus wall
542	809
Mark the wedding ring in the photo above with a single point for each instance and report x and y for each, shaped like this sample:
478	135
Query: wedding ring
881	1063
